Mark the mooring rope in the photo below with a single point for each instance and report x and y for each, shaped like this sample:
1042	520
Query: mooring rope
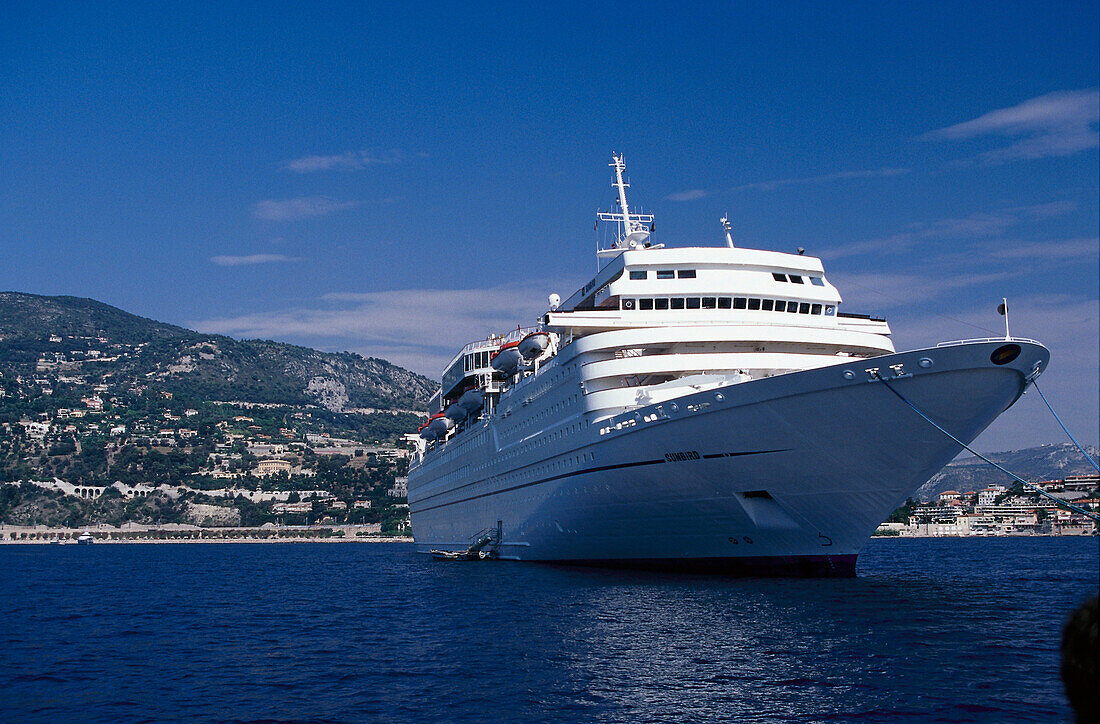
1014	476
1071	437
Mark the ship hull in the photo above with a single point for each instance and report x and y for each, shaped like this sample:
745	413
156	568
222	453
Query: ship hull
782	476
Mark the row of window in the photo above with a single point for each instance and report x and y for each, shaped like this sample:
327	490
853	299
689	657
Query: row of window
640	274
764	305
796	279
665	274
475	361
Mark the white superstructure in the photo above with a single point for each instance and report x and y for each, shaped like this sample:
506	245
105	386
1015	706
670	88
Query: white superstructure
705	407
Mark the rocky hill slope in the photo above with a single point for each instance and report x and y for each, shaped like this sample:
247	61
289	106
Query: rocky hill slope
1034	464
49	337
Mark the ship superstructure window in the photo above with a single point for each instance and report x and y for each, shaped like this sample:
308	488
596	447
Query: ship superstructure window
666	274
639	274
686	273
817	281
779	277
739	303
795	279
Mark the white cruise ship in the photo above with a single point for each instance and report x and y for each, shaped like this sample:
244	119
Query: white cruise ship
696	408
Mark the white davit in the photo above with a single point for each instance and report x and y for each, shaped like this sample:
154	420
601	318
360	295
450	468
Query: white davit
697	408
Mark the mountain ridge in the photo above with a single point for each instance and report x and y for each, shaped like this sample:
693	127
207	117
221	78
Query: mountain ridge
67	334
1052	461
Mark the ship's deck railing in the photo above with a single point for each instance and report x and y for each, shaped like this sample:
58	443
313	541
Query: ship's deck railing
497	340
987	339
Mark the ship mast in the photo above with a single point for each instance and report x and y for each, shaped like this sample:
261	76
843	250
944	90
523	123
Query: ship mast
728	229
634	228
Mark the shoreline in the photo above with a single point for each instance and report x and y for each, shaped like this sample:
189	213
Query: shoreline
1003	535
42	535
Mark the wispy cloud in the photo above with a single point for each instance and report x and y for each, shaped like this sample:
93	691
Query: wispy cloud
977	226
349	160
885	292
299	208
1052	249
417	328
1055	124
695	194
252	259
826	178
689	195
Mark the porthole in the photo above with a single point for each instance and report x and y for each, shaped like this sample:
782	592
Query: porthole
1005	354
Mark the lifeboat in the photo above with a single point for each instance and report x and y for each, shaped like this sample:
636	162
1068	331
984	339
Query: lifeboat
506	359
436	426
471	401
455	412
440	426
533	345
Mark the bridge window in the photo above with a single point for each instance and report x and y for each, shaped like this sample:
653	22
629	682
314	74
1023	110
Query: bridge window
815	309
724	302
628	305
666	274
754	304
645	304
676	303
739	302
780	305
692	302
804	308
817	281
796	279
638	274
710	302
829	310
660	303
779	277
686	273
767	304
792	307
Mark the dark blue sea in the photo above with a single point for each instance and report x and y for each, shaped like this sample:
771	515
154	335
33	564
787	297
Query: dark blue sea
952	630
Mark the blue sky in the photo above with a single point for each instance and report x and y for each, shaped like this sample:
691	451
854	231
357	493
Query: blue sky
395	181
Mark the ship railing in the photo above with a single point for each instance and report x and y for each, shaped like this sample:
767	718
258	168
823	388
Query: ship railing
955	343
498	339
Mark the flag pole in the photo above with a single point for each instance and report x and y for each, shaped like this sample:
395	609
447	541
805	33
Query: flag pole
1003	309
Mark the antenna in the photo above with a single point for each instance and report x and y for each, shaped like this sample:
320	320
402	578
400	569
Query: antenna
635	228
1002	308
729	230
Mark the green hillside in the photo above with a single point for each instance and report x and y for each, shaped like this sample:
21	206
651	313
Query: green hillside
70	337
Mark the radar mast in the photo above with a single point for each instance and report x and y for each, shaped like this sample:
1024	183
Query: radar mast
634	228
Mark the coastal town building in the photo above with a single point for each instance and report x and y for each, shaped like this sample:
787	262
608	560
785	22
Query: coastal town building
266	468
